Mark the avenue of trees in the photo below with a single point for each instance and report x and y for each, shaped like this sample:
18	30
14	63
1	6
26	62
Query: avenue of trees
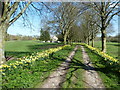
67	14
71	21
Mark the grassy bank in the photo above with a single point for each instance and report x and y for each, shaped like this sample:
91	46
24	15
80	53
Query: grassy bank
112	48
74	77
108	74
36	72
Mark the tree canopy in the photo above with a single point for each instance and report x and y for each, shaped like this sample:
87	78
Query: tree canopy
45	35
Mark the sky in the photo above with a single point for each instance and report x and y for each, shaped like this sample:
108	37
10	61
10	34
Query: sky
19	29
37	23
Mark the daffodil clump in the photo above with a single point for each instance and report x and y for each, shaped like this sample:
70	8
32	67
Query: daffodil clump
104	55
26	61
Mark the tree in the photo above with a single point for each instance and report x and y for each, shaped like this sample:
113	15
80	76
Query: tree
45	36
106	11
8	17
66	15
75	34
10	12
60	37
88	26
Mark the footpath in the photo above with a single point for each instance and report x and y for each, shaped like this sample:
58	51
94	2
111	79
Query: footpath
56	78
91	77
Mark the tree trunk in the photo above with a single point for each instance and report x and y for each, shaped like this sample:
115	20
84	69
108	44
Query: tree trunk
88	41
92	42
65	39
70	42
92	39
103	37
2	42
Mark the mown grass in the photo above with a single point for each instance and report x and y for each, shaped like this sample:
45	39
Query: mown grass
74	77
17	49
112	48
35	73
108	74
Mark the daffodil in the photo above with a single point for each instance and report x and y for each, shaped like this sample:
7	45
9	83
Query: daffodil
106	56
14	66
3	74
36	55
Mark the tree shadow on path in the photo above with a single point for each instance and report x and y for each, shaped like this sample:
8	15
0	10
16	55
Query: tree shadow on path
76	65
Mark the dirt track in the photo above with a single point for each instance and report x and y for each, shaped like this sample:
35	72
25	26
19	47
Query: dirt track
92	78
57	77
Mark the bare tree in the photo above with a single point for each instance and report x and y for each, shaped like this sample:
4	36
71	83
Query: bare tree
66	15
106	11
88	25
75	34
10	12
8	17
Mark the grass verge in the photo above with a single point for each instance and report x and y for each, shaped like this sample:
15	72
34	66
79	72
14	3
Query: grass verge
35	73
112	48
74	77
109	74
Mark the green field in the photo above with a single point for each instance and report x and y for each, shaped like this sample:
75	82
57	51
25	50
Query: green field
73	79
112	48
18	49
33	75
22	48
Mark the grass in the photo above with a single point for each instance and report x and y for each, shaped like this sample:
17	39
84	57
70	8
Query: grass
36	73
74	77
108	74
112	48
34	76
19	49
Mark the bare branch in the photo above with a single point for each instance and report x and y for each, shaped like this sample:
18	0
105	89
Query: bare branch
111	9
108	22
23	10
51	10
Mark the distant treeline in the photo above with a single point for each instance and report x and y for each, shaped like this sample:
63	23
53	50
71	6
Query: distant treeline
113	39
9	37
21	37
110	38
